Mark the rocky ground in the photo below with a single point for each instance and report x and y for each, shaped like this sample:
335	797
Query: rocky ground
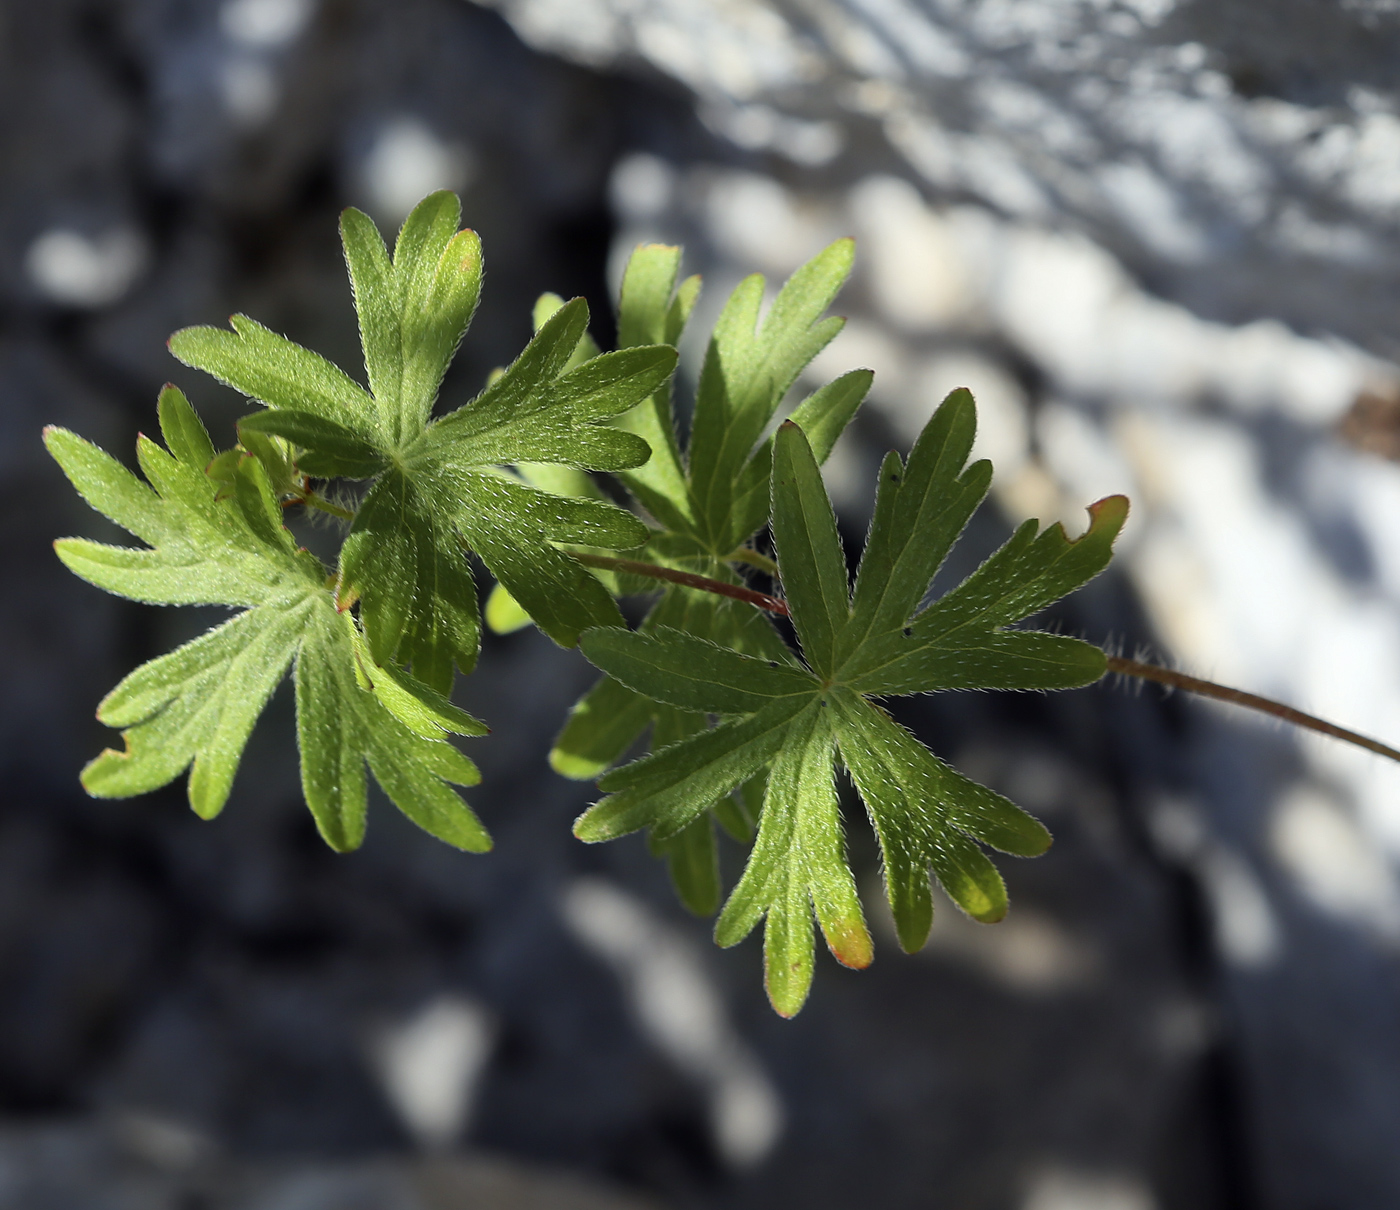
1160	246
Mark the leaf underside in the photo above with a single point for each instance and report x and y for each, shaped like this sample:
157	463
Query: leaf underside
195	707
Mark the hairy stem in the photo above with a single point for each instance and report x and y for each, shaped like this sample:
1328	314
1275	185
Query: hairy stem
1124	667
1251	701
759	599
312	500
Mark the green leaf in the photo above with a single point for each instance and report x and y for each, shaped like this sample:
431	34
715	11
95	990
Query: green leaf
738	814
959	641
547	306
692	860
1030	572
694	674
270	368
798	866
278	462
822	417
338	450
377	305
648	285
919	512
331	740
512	526
108	486
602	725
340	726
204	551
752	370
444	630
692	857
439	296
184	432
196	707
651	311
417	599
747	371
929	819
419	707
918	805
558	427
414	309
503	613
809	548
668	789
983	659
379	562
198	704
518	389
446	495
439	489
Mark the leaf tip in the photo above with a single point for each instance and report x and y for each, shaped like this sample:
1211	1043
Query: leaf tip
574	767
98	769
787	990
850	944
1110	512
913	933
592	827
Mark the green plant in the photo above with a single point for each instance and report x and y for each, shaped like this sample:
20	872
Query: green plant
744	732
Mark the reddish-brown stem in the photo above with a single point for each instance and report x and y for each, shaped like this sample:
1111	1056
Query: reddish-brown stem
1251	701
739	593
1124	667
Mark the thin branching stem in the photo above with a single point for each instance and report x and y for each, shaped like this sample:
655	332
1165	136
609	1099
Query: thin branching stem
632	566
1124	667
1251	701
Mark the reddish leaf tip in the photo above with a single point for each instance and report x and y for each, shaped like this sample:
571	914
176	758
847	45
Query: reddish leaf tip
850	944
1111	511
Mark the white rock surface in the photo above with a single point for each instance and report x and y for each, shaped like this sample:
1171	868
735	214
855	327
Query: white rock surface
1160	238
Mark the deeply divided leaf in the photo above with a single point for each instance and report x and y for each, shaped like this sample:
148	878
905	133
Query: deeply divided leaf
930	820
196	707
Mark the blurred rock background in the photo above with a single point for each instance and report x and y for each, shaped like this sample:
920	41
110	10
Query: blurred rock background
1158	238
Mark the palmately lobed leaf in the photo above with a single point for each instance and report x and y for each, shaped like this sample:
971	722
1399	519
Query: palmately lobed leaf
195	707
439	489
929	818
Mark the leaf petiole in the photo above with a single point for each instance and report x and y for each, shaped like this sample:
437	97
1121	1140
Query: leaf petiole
1251	701
312	500
760	600
1124	667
